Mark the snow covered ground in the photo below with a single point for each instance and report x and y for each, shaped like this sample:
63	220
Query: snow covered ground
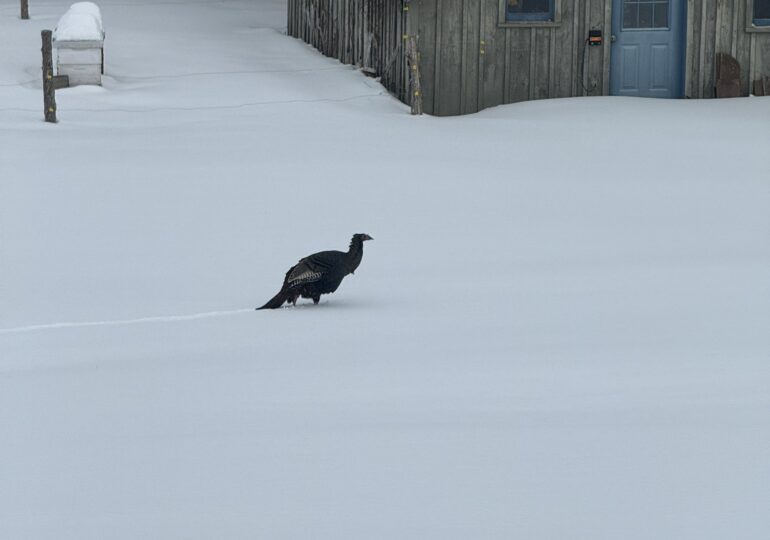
559	332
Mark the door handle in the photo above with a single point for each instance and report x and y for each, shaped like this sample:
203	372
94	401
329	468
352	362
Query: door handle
613	38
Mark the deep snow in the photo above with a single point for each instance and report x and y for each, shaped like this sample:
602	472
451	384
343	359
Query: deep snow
559	332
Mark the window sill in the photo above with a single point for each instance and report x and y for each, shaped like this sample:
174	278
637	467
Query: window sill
529	24
757	29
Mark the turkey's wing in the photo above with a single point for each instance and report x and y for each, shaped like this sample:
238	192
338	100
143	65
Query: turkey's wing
311	268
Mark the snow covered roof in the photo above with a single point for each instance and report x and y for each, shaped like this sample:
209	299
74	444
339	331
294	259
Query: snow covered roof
81	22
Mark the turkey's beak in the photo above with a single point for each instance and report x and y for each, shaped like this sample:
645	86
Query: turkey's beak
367	237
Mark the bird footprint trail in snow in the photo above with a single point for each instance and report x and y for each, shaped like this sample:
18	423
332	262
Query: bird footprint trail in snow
144	320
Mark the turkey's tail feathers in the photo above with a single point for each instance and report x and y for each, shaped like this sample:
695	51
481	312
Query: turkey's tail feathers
276	301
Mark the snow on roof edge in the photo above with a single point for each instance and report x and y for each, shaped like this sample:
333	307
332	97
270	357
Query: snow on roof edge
81	22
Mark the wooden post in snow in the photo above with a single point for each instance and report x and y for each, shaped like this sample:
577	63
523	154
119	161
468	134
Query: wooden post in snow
415	88
49	91
25	9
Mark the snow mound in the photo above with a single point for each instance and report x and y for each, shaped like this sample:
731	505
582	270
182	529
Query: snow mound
81	22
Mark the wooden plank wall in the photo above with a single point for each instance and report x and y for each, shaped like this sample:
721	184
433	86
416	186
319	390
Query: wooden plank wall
365	33
720	26
469	62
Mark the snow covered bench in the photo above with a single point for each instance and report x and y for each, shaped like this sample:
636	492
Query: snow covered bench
79	44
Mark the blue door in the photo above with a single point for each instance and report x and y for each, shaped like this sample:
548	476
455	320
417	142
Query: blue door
648	48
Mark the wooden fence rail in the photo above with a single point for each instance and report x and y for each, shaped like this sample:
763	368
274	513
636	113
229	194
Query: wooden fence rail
369	34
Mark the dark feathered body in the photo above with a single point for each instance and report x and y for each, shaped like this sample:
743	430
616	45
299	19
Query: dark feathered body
320	273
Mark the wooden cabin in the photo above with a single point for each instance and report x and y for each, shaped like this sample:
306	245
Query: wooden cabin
474	54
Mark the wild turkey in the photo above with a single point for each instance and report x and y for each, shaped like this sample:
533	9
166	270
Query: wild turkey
320	273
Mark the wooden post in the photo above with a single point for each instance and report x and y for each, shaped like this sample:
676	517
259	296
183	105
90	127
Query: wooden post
25	9
415	88
49	93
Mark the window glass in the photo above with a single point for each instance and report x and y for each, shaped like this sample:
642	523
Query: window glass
762	12
631	15
645	14
529	10
661	15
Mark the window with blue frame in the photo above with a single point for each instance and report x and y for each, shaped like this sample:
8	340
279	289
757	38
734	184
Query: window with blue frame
529	10
645	14
761	13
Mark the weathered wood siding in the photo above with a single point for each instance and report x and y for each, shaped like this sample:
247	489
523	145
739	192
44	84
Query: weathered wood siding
720	26
470	61
365	33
